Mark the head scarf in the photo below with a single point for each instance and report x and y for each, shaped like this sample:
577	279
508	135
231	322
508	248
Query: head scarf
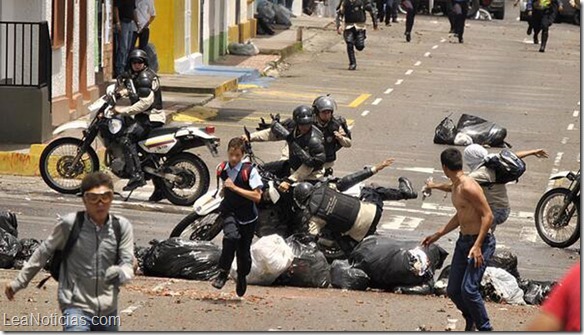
474	155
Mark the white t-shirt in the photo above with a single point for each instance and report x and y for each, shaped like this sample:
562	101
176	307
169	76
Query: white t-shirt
144	11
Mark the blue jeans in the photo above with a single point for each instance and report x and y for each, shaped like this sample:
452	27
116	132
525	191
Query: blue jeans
78	320
500	215
125	38
465	279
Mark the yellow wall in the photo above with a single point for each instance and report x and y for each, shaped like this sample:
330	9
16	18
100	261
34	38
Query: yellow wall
162	34
195	16
179	28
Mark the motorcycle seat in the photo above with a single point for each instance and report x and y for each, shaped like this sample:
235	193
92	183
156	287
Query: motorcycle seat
163	131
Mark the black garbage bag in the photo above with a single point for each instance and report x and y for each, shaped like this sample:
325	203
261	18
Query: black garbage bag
266	10
309	267
282	16
344	276
9	248
442	283
27	248
481	131
445	132
176	258
423	289
9	223
505	260
535	292
391	263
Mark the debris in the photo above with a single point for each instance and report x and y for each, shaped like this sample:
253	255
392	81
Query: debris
309	267
345	276
9	248
500	286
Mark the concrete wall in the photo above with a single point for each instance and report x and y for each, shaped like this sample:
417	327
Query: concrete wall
26	115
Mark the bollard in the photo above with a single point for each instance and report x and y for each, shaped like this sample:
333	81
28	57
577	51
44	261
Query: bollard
299	34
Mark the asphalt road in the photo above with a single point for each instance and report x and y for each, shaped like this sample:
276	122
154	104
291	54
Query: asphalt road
394	100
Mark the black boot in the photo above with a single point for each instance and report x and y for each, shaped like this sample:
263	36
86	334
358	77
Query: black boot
134	167
241	286
352	59
529	30
220	280
535	39
406	188
544	38
408	36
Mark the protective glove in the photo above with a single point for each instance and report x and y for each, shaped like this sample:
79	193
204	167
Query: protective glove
279	130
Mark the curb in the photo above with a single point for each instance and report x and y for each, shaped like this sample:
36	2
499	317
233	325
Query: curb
226	86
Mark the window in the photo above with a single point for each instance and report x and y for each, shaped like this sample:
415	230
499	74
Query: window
58	24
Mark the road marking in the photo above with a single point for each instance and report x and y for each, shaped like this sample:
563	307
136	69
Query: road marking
443	40
431	206
418	169
408	72
359	100
528	234
435	47
364	113
564	140
558	158
418	63
399	81
405	223
396	203
576	112
376	101
427	54
571	126
389	90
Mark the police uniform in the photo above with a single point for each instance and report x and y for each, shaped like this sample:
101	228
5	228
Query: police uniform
543	15
353	13
332	144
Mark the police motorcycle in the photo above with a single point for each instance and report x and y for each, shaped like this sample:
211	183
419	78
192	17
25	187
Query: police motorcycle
182	176
277	211
557	215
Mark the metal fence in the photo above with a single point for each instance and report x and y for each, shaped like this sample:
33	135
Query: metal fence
25	54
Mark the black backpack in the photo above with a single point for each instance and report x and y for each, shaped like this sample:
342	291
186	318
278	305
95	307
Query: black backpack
60	256
506	165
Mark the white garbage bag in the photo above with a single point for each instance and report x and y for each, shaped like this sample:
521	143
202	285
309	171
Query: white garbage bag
271	256
505	285
462	139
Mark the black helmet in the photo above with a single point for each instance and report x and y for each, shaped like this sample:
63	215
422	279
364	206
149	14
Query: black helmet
302	192
138	54
302	115
324	103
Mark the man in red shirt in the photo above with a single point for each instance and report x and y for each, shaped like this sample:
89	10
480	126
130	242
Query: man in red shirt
561	311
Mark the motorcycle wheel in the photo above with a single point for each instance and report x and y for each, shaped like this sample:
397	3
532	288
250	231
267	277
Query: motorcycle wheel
196	227
194	182
55	165
560	235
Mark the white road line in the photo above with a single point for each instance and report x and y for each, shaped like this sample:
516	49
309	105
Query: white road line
558	158
405	223
427	54
418	63
376	101
443	40
528	234
418	169
408	72
564	140
396	203
351	126
571	126
399	81
389	90
435	47
364	113
576	112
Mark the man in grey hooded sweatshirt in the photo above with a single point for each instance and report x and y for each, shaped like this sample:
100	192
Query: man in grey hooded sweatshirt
496	194
99	262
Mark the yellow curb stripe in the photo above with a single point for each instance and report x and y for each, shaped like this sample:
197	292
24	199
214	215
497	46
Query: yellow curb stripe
247	86
360	99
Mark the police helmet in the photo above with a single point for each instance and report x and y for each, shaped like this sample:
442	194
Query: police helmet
302	192
302	115
324	103
139	55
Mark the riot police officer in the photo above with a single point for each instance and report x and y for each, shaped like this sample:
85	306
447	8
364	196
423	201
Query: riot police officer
354	33
334	129
350	219
145	112
306	154
542	14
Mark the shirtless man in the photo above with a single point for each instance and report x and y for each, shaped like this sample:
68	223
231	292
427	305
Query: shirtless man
475	244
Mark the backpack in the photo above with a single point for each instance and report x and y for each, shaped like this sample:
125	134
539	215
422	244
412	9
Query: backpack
245	172
506	165
61	256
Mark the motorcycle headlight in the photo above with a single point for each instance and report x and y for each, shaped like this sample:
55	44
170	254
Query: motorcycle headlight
115	125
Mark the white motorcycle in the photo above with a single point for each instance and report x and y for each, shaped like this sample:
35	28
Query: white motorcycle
182	176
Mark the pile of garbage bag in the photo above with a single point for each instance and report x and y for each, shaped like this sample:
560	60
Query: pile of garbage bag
498	285
391	263
269	14
243	49
27	248
505	260
309	267
176	258
345	276
469	130
9	244
535	292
